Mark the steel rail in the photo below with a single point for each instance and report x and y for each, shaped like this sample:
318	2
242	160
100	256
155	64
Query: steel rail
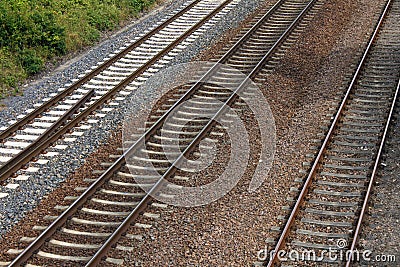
123	227
35	148
84	197
49	231
372	179
4	175
326	142
51	102
205	77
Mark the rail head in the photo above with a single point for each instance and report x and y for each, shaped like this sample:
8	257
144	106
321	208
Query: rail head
52	228
204	131
373	175
93	188
281	241
42	142
51	102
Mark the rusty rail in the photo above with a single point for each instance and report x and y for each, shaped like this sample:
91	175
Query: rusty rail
54	100
131	77
48	232
171	170
35	245
372	179
43	141
317	163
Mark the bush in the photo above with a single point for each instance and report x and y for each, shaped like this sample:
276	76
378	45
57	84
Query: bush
10	72
46	33
22	27
34	31
103	18
30	61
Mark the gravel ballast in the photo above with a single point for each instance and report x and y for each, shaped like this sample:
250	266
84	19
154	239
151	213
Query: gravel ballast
229	232
30	192
380	231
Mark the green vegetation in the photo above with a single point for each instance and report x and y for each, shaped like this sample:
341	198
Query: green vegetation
33	32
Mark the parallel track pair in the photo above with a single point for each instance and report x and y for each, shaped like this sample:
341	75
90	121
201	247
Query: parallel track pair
333	200
112	203
41	127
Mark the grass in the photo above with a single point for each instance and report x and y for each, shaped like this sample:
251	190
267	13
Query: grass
33	32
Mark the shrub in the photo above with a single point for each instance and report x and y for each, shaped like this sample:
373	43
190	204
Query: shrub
34	31
10	72
30	61
46	33
23	27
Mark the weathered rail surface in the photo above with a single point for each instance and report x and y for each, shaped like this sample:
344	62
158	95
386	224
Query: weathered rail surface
88	228
327	214
26	138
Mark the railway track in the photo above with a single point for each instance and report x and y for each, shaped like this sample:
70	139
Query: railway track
95	222
328	213
33	132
